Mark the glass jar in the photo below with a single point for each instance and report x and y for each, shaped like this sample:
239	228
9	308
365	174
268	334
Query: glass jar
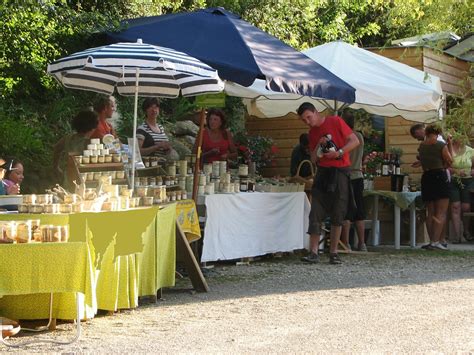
222	167
244	185
243	170
172	170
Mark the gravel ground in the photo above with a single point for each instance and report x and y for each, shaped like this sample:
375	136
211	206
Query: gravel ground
383	301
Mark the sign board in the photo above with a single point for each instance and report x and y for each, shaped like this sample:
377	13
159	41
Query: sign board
211	100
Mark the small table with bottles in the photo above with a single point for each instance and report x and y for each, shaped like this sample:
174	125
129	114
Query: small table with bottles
401	200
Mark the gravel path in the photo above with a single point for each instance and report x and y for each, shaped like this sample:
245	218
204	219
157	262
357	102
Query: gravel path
385	301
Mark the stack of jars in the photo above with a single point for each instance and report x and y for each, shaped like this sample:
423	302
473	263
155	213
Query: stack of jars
30	231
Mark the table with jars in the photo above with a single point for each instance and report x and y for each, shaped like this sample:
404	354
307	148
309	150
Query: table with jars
133	251
36	274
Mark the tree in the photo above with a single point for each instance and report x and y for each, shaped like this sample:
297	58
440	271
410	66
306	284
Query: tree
35	110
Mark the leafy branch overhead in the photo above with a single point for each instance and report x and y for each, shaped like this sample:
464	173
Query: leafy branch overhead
35	111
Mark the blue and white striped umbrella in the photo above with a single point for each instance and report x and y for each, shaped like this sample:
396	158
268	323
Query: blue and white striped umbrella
137	69
163	72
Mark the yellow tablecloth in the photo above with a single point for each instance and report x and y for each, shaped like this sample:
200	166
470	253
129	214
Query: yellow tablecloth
39	269
133	254
188	220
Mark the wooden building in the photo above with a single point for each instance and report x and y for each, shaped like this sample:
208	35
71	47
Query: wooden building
453	73
454	76
285	132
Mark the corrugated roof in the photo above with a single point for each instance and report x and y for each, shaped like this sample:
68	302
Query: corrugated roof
463	49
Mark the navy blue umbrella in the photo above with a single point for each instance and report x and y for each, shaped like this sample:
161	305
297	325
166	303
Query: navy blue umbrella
239	51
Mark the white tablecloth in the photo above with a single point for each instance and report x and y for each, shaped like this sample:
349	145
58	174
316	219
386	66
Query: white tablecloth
250	224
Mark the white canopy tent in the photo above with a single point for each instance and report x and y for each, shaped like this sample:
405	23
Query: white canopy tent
383	86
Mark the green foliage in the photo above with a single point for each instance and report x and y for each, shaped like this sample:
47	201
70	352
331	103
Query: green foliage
235	114
178	109
34	35
459	122
125	107
24	136
20	135
307	23
396	150
35	111
414	17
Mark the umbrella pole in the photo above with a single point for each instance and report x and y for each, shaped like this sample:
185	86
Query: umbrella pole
197	164
135	114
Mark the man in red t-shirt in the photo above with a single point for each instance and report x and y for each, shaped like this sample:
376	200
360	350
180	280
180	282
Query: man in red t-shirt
330	192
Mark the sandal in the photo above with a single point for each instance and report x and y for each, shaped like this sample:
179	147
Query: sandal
8	327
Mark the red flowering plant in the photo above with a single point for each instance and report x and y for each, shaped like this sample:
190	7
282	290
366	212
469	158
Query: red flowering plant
371	163
258	149
373	154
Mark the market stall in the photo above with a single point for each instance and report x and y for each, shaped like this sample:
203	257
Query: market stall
133	254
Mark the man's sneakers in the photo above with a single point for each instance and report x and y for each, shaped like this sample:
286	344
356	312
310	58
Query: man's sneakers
435	246
334	259
438	246
311	258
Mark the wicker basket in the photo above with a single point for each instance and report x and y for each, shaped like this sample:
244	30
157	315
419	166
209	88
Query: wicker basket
307	181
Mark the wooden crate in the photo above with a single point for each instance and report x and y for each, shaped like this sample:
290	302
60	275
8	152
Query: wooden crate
383	183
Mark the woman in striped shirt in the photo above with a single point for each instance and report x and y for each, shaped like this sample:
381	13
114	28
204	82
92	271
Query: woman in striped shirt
151	135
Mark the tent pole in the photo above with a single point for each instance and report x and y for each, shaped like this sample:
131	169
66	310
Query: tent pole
197	164
135	119
326	104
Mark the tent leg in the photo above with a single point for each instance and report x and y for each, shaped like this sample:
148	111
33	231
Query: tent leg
197	165
135	119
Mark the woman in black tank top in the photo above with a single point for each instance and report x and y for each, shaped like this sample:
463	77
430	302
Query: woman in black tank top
434	158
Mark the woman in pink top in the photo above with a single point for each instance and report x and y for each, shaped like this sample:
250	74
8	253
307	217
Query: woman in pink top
13	176
217	143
